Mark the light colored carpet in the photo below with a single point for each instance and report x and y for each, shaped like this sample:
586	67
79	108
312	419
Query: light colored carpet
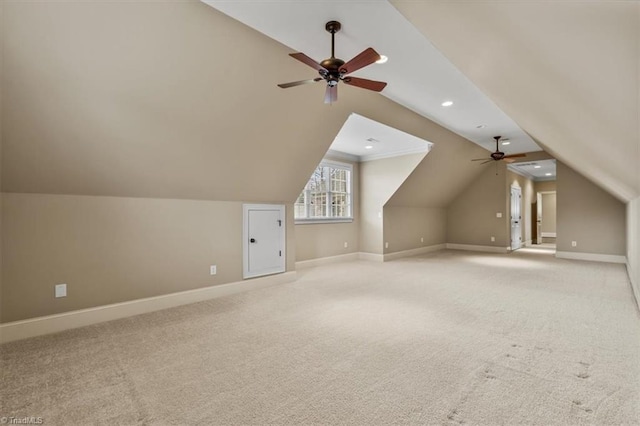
449	338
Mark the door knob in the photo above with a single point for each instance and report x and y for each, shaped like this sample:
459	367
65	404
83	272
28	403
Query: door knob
252	240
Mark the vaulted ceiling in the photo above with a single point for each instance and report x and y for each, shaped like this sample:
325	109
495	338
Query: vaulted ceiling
567	72
176	100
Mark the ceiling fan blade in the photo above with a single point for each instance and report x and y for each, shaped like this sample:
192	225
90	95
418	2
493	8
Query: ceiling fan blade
508	160
479	159
364	58
515	156
307	60
298	83
488	161
331	94
376	86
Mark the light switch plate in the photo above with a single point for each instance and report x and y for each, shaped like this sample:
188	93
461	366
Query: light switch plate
61	290
498	214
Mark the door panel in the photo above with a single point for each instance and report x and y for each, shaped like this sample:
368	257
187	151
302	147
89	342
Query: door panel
264	240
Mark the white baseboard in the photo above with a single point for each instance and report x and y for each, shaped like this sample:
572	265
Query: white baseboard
414	252
327	260
373	257
471	247
548	234
594	257
634	284
32	327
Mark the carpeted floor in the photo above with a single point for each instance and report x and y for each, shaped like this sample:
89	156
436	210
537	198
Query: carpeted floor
448	338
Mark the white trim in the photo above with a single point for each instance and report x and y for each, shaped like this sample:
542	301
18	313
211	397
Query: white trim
340	155
548	234
414	252
490	249
594	257
32	327
326	220
396	153
245	239
310	263
373	257
528	243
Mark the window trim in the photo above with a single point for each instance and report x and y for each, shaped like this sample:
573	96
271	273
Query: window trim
315	220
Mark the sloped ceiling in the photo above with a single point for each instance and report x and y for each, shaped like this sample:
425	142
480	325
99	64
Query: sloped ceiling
169	100
566	72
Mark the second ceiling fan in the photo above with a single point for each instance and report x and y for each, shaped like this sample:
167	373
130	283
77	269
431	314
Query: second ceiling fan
333	70
499	155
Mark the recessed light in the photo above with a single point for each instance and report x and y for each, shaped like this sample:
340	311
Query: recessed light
382	59
547	174
368	146
481	126
536	167
506	143
446	103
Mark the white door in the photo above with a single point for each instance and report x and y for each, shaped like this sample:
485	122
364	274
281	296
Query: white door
539	218
516	218
264	239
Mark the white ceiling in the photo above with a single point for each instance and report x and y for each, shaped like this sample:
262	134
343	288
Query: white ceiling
418	75
359	132
536	170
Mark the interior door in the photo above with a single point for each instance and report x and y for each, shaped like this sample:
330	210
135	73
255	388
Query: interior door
539	218
264	240
516	218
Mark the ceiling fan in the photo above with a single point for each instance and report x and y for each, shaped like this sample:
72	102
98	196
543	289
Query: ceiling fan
498	155
334	70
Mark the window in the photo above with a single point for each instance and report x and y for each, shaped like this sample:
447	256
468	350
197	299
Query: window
327	195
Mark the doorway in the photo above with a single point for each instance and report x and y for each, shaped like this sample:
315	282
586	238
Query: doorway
516	217
264	239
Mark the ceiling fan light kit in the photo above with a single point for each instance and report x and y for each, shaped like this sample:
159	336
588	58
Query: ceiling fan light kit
333	70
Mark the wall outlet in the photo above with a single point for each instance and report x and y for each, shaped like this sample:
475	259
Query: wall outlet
213	270
386	245
422	239
346	244
61	290
574	243
498	214
493	239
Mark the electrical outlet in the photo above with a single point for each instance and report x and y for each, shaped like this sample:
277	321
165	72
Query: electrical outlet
386	245
213	270
493	239
422	239
61	290
498	214
346	244
574	243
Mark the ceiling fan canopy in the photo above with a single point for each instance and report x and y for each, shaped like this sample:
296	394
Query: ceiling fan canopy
499	155
333	70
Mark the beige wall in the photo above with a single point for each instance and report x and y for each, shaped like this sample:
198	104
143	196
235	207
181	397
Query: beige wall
405	226
588	215
319	240
114	249
471	217
379	180
548	213
544	186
